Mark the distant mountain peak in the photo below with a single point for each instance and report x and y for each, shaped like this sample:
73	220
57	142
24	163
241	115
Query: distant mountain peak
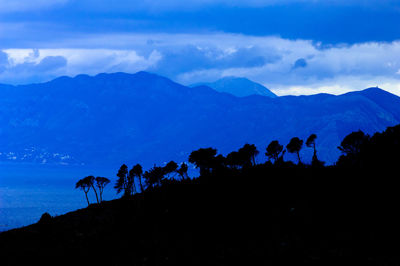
238	86
375	90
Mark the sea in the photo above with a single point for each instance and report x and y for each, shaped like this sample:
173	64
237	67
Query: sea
28	190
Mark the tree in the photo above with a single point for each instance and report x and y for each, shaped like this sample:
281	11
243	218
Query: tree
85	187
352	143
130	183
273	150
169	168
234	160
122	184
182	171
280	161
138	172
154	176
311	144
295	146
248	154
90	180
355	151
204	159
45	219
101	183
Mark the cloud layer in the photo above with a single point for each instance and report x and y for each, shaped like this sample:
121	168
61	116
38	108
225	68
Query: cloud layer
285	66
291	46
23	22
7	6
159	5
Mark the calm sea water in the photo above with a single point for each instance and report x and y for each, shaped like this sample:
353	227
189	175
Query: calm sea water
28	191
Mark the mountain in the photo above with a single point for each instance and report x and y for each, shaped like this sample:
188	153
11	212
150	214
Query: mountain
110	119
239	87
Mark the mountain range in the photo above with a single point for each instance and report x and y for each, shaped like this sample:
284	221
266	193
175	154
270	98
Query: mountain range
111	119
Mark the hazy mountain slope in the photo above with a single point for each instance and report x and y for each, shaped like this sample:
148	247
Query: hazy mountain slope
239	87
116	118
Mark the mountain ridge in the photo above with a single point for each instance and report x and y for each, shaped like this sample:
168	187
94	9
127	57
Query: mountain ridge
238	86
146	118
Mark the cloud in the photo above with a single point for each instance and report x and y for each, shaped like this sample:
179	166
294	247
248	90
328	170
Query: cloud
179	5
28	5
51	63
31	68
3	61
328	21
176	60
32	65
300	63
283	65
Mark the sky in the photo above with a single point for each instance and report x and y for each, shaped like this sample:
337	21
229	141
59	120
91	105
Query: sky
290	46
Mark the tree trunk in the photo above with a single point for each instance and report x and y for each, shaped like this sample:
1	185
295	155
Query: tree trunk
101	194
140	183
95	192
87	199
315	152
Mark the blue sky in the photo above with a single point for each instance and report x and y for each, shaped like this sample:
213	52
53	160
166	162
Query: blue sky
290	46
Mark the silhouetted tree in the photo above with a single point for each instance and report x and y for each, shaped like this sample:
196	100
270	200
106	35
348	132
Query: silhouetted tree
45	219
122	182
248	154
85	187
183	171
311	144
130	183
90	180
234	160
273	150
138	172
295	146
101	183
352	143
351	148
204	159
154	176
170	168
280	161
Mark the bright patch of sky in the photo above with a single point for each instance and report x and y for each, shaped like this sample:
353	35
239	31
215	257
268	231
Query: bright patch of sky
290	46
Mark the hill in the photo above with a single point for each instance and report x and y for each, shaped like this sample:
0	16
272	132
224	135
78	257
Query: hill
236	212
240	87
276	217
110	119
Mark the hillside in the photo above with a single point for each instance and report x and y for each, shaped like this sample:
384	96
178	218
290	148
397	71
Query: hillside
236	212
144	118
299	217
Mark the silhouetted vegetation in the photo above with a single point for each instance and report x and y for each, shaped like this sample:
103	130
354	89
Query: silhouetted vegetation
274	149
240	210
45	218
203	159
85	186
183	171
295	146
101	183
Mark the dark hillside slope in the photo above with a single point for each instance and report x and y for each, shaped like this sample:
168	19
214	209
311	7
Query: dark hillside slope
261	216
